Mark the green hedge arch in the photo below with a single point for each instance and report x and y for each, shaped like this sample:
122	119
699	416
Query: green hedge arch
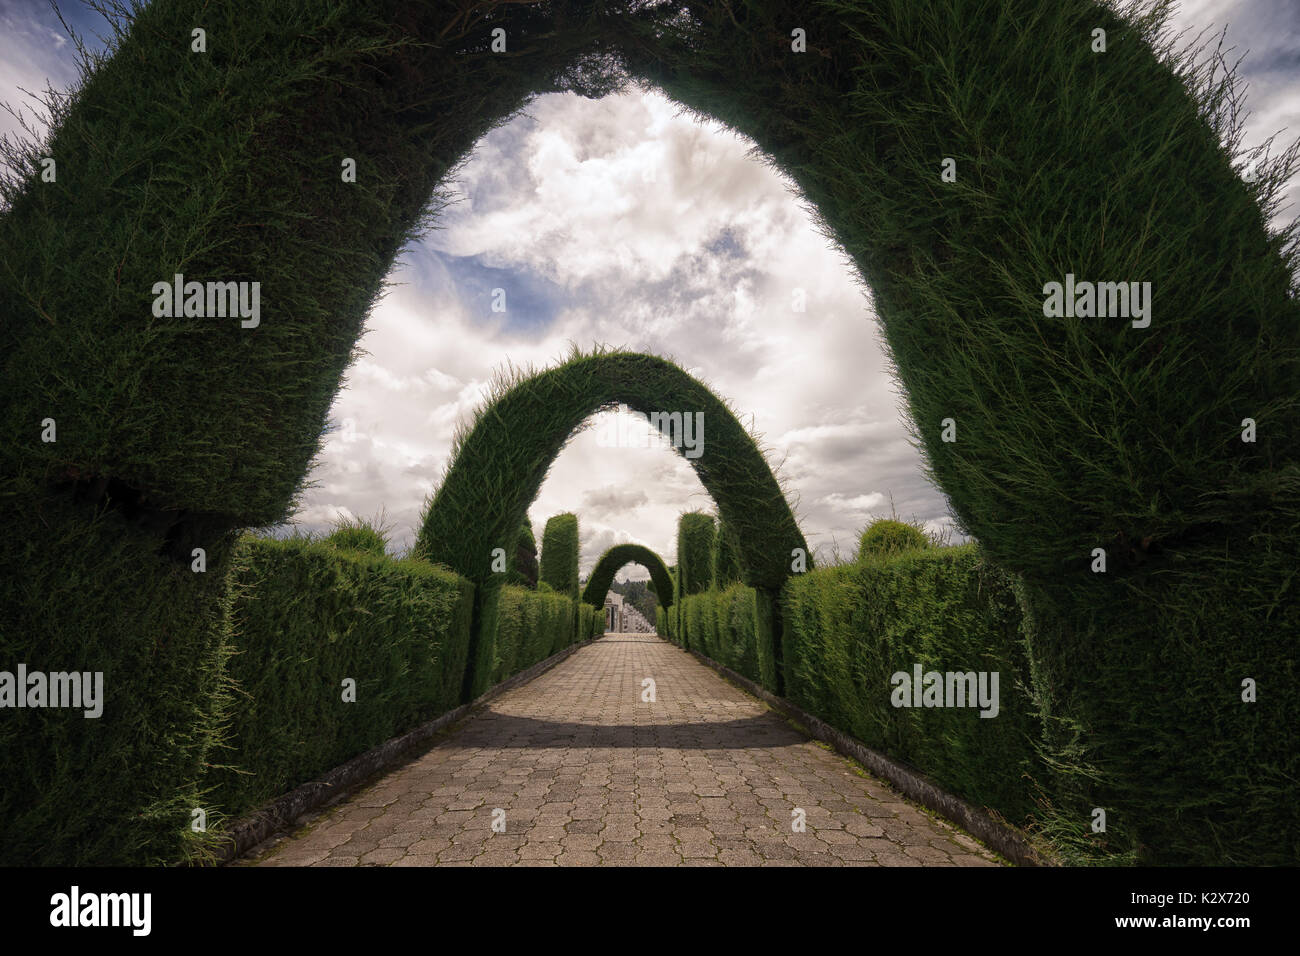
1071	434
499	462
613	560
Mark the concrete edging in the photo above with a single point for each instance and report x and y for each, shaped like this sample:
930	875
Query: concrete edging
284	811
998	835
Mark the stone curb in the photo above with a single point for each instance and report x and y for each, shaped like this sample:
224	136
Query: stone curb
284	811
998	835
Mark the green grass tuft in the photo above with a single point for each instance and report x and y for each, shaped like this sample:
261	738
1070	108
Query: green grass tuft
358	534
887	536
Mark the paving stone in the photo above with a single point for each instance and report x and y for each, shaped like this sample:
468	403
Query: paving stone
590	775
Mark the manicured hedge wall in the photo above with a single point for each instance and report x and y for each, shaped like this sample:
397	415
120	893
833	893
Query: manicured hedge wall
306	616
531	626
850	628
674	612
720	625
591	621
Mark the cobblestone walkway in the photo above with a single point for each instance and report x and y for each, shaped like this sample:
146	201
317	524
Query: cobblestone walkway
581	771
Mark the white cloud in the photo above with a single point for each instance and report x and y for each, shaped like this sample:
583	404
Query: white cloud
701	263
665	235
35	57
856	505
655	233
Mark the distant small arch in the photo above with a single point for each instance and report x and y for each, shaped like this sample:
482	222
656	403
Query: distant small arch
602	576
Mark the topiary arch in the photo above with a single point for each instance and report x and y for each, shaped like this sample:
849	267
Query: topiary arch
1053	435
499	464
613	560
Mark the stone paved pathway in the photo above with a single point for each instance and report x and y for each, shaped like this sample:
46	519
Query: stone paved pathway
588	774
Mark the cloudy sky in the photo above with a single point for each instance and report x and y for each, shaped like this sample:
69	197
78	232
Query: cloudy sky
620	222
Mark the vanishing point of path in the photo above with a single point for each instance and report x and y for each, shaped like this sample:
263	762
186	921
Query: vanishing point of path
589	774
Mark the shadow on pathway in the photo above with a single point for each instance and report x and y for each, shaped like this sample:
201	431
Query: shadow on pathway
575	768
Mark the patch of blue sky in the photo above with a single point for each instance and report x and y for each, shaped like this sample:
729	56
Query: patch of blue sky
726	244
531	302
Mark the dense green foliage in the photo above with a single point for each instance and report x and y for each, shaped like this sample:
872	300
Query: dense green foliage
358	535
306	617
726	561
531	627
720	625
696	536
87	591
850	628
523	561
887	536
695	531
499	461
1072	434
591	623
602	576
559	563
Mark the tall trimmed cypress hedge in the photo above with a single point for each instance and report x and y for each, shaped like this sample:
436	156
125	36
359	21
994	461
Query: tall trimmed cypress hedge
307	617
531	627
523	561
591	623
695	531
559	561
721	625
850	628
726	564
